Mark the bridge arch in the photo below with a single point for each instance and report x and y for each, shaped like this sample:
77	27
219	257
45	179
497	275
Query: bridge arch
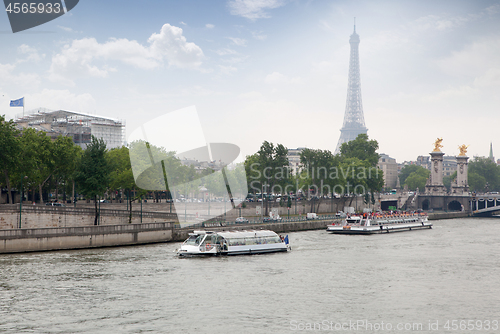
455	206
425	204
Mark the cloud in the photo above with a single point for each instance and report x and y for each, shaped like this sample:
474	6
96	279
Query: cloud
225	52
67	29
32	53
228	69
87	57
474	60
14	78
62	99
172	46
259	35
253	9
209	26
238	41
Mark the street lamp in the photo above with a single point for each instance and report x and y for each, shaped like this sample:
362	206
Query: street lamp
21	202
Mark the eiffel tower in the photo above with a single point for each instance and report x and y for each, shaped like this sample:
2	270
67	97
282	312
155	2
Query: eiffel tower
354	121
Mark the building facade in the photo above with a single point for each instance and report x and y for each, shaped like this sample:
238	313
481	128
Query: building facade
389	167
79	126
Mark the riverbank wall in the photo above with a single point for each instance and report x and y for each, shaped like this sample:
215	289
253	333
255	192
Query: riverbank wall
447	215
41	216
44	239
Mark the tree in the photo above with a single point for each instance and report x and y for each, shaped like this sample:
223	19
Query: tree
361	148
121	176
483	168
93	173
415	176
37	161
317	173
368	176
253	172
271	167
9	151
406	171
65	156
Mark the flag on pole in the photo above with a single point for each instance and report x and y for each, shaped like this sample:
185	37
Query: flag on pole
17	103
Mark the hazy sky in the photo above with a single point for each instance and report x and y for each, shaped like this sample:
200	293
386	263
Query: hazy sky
271	70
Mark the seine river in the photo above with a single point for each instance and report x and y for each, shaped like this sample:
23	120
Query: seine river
444	280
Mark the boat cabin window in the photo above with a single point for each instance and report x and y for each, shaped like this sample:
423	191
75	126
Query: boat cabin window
194	240
211	239
253	241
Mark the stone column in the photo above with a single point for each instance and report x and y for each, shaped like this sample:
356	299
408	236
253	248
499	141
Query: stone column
461	186
435	183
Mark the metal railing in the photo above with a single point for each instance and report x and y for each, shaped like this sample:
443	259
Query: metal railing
84	211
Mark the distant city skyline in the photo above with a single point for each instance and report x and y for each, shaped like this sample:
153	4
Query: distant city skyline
272	70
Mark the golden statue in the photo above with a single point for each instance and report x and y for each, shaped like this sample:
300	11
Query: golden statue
437	145
463	150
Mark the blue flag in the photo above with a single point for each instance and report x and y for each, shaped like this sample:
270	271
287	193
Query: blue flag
17	103
286	239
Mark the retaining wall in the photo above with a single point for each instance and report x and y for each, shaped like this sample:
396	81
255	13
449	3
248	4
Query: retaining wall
48	217
43	239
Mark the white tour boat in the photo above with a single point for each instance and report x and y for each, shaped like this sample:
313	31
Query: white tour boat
380	223
233	243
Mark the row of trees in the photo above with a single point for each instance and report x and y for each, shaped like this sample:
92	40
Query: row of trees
31	159
353	171
483	175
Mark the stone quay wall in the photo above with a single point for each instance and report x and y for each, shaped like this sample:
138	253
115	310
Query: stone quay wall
49	217
44	239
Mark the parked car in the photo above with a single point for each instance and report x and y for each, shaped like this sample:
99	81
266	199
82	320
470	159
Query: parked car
54	204
241	220
311	215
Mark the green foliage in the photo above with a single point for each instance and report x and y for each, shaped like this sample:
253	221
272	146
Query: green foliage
414	177
477	182
37	160
9	151
267	168
121	176
93	174
360	154
406	171
416	180
317	171
253	172
484	175
361	148
66	156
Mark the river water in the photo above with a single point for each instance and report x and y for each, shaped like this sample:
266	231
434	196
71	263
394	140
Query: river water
428	281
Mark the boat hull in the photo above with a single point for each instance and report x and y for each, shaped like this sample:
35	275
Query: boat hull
237	250
378	229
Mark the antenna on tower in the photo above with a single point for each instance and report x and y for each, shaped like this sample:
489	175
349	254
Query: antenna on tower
355	24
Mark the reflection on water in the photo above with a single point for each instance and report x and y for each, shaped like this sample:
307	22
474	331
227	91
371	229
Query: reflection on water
447	273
